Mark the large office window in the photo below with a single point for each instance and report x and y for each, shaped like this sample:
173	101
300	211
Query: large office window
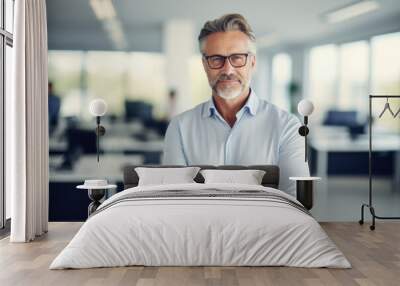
386	63
385	77
6	43
200	88
146	80
79	76
353	75
281	77
342	76
323	72
107	77
65	72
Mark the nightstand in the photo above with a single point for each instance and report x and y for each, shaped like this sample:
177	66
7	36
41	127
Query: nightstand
96	191
304	190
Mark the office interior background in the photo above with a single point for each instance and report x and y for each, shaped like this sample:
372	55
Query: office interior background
142	58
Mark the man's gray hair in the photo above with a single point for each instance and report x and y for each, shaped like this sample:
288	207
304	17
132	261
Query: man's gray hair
226	23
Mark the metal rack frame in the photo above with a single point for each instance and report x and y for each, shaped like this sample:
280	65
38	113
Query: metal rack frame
370	205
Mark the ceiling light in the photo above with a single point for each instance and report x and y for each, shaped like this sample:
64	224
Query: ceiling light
103	9
105	12
351	11
115	32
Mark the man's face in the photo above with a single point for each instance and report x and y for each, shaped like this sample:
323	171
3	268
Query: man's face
228	81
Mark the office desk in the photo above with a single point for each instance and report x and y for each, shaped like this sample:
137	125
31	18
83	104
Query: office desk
128	144
57	146
115	144
110	167
119	137
115	128
120	128
342	144
66	203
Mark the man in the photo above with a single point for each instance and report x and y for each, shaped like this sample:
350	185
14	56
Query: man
235	127
54	104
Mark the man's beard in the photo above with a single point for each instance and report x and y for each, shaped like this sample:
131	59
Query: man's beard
228	93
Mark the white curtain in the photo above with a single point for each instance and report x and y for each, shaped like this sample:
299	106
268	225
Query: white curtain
27	124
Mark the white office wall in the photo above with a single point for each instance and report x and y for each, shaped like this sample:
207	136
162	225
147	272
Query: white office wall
179	47
260	80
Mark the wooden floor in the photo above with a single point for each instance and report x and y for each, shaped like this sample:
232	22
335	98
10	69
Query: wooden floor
375	257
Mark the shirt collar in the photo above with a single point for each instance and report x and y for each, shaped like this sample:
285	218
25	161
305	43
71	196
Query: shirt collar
251	105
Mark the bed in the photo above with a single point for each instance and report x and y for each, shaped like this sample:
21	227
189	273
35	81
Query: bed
201	224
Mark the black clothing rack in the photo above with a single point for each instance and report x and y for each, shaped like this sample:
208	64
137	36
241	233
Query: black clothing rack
370	205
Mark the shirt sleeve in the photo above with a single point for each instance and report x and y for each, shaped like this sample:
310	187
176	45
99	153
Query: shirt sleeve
291	156
173	153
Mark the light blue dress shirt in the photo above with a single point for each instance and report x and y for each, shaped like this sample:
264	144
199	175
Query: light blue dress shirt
262	134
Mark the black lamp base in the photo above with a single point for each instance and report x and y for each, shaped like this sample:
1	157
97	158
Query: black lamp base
95	195
304	193
305	190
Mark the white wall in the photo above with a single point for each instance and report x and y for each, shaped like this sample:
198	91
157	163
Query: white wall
179	47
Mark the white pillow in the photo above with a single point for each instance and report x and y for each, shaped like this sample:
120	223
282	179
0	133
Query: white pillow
162	176
249	177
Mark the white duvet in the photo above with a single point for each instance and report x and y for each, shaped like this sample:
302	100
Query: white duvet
200	231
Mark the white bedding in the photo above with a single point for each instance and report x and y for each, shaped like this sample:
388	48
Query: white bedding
200	231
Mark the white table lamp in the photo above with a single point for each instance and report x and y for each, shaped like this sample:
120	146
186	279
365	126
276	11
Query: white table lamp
305	108
98	107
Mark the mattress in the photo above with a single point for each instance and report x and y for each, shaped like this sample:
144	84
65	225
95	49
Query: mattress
201	225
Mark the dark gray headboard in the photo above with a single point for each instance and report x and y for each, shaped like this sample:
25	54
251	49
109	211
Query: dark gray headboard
270	179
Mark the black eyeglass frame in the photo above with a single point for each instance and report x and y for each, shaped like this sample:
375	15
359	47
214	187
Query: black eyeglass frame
224	60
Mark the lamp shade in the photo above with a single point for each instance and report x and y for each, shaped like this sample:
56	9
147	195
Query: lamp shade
98	107
305	107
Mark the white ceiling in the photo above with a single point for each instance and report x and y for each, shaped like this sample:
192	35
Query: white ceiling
73	25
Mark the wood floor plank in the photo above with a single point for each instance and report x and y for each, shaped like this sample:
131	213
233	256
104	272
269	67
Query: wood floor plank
374	255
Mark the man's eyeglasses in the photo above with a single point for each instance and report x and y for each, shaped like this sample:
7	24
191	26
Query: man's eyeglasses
218	61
